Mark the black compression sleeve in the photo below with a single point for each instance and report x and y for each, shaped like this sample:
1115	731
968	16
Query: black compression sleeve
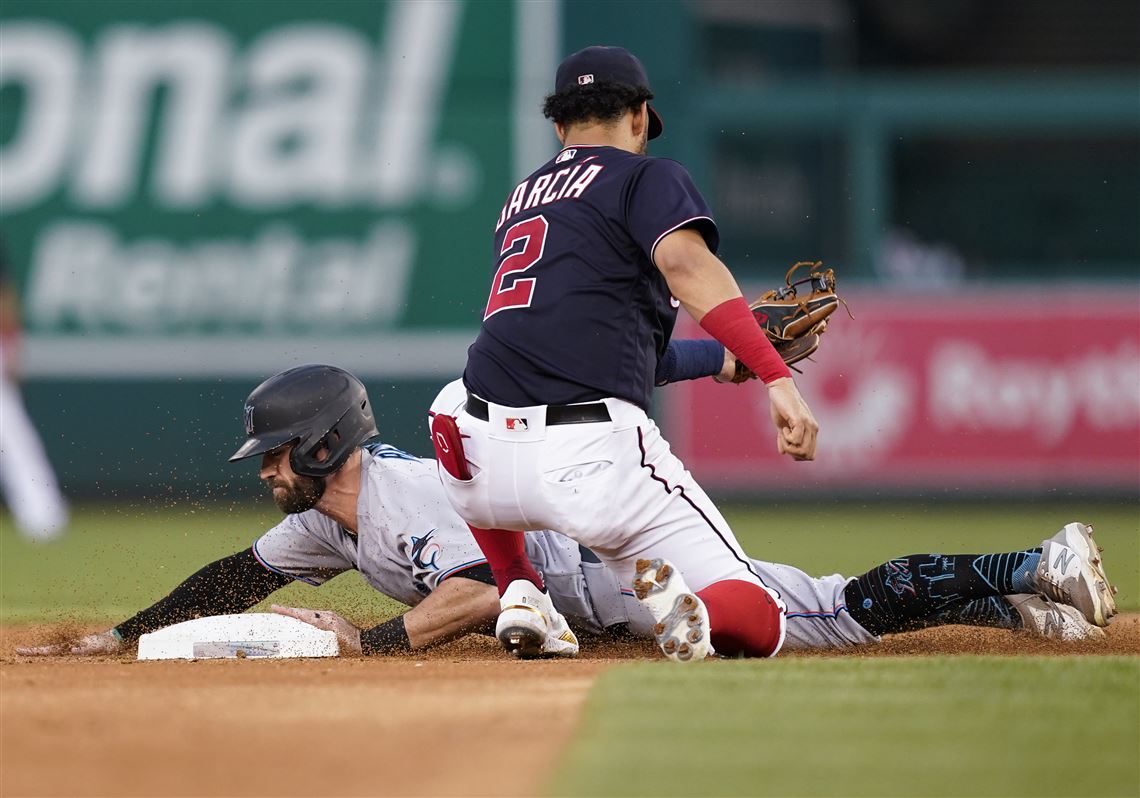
232	584
390	637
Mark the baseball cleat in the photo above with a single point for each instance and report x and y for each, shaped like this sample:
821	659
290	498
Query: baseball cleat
1043	617
560	638
529	627
681	625
1071	572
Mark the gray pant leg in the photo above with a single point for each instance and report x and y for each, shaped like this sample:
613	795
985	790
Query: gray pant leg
817	610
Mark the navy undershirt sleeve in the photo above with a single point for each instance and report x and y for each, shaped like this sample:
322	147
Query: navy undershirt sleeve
689	360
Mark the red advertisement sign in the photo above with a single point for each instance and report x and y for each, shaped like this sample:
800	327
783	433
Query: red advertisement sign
1006	390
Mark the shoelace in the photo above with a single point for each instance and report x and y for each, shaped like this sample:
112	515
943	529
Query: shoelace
1054	589
1055	613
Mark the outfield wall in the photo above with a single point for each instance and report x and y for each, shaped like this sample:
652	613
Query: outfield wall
195	195
995	392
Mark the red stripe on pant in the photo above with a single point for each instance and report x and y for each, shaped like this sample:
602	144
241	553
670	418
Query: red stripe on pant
744	617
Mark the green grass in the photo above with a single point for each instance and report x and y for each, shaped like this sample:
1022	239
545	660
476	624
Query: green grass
954	726
118	558
963	726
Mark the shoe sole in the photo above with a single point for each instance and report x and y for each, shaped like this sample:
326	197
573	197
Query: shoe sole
681	626
1094	595
523	641
519	639
1102	589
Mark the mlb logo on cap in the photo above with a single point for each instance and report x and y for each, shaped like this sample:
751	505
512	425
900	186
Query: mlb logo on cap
601	66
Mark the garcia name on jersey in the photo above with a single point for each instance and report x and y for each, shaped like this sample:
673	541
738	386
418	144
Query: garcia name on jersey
578	311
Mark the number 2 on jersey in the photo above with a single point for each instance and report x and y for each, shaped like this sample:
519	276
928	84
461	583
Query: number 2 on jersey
507	289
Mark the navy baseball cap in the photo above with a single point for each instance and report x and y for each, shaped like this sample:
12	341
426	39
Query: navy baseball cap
613	64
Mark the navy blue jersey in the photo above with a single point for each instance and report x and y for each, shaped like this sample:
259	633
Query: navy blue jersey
577	310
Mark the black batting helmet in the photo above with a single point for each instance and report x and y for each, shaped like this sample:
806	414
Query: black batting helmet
311	406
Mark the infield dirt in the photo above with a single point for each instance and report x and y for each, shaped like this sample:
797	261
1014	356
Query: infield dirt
461	720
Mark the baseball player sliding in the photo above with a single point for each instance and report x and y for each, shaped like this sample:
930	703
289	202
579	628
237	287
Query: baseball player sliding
596	251
354	503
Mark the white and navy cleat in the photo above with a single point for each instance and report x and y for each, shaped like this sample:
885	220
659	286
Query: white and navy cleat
1071	572
1043	617
681	622
529	627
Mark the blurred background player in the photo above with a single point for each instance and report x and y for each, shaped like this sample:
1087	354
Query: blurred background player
29	485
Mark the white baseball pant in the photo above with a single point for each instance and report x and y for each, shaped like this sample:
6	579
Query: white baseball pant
615	487
28	482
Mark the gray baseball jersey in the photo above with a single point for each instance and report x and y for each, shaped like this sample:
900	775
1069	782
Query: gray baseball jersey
409	540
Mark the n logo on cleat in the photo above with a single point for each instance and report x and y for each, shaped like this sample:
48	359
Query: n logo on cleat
1064	557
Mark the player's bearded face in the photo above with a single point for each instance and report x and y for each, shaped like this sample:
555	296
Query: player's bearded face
292	492
297	493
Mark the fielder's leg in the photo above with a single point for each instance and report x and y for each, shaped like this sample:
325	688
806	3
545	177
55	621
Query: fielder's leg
505	551
713	594
528	625
732	617
746	619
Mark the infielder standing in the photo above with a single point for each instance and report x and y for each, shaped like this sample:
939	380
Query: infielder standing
26	477
353	503
596	251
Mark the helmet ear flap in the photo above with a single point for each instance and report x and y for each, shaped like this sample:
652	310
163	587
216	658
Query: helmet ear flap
298	455
303	458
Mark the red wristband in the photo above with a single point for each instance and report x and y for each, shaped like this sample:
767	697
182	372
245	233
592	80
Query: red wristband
732	324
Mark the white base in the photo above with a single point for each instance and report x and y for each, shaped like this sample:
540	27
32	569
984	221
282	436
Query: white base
259	635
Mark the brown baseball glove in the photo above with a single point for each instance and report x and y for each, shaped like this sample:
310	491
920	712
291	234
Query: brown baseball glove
795	315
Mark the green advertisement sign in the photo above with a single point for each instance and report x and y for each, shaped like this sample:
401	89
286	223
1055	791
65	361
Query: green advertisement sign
224	188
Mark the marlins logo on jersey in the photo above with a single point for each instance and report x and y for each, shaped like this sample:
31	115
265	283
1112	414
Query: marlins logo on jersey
424	551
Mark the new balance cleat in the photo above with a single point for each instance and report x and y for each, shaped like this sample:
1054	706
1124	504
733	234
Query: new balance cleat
1043	617
529	627
681	625
1071	572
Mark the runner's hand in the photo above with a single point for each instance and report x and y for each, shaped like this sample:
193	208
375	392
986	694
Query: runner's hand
88	645
346	634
